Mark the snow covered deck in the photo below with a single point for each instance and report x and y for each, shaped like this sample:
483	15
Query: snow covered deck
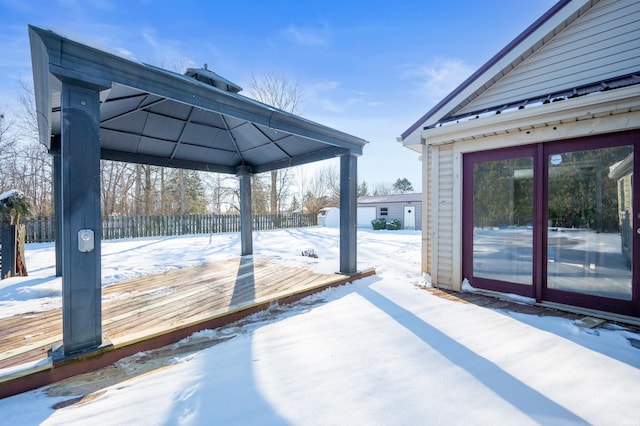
152	311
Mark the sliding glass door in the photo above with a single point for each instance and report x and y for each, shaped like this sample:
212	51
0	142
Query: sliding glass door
589	210
500	220
556	221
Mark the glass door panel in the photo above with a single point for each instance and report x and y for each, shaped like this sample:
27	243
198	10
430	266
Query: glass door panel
502	220
589	215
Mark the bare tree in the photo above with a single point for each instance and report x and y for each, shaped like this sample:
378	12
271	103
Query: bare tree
323	190
117	180
25	163
283	185
302	186
259	195
34	176
331	176
29	121
276	90
220	191
382	188
6	152
137	210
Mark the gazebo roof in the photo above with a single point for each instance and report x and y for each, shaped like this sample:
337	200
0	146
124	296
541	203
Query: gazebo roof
194	121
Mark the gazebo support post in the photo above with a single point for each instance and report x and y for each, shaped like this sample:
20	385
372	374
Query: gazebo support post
81	225
246	217
57	201
348	213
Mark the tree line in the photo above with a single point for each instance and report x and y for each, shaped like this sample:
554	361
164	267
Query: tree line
136	189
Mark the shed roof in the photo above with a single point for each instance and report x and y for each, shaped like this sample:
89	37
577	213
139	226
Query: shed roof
194	121
391	198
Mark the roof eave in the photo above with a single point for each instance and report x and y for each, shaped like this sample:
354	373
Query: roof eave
446	104
578	110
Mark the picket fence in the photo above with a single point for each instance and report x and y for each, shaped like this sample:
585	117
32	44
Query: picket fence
42	229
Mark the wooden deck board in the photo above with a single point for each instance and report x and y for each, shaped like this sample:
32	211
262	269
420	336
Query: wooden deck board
143	308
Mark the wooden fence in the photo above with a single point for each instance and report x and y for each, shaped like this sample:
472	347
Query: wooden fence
41	229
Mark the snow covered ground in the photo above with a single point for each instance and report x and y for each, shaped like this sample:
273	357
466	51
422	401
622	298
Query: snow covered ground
381	351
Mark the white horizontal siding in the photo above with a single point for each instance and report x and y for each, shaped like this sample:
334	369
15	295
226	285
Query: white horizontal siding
601	44
445	216
427	217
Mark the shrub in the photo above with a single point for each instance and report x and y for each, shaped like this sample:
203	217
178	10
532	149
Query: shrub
393	224
379	223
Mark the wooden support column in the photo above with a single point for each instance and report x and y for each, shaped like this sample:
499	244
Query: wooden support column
81	225
348	213
246	217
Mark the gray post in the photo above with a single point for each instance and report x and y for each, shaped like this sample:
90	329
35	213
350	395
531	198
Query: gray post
9	248
81	224
57	202
246	218
348	213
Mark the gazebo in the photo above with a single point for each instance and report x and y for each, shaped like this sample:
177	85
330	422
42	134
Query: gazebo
92	105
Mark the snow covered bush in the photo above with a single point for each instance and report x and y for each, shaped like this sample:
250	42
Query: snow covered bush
379	223
15	204
393	224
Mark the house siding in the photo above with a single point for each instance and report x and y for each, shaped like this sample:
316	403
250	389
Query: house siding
444	212
426	216
601	44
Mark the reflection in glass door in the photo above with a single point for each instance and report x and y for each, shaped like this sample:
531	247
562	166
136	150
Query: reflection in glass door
558	221
589	215
503	221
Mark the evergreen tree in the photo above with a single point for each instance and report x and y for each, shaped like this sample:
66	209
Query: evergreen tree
402	185
363	189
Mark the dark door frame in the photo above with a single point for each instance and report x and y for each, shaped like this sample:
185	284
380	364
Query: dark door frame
540	153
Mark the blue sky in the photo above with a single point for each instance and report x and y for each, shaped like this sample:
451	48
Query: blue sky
369	68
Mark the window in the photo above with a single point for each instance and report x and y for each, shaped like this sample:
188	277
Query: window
384	211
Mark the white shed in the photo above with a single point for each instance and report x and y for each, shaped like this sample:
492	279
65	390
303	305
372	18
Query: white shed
406	208
329	217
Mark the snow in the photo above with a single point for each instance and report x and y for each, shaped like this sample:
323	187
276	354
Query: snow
383	350
8	194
